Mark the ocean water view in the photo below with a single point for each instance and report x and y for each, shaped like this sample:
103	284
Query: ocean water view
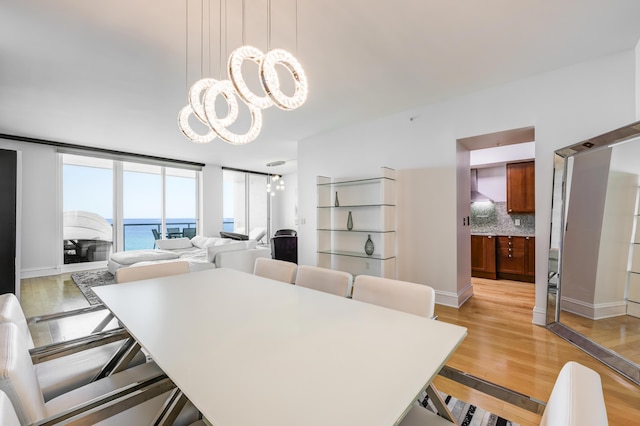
138	233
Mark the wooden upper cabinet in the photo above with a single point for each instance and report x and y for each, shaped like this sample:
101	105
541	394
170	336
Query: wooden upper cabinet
521	187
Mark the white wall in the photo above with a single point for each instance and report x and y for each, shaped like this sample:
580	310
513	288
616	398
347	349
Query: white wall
41	240
211	211
565	106
284	205
581	244
638	81
492	182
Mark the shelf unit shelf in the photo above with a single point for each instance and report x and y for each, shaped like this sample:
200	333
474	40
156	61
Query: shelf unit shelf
371	203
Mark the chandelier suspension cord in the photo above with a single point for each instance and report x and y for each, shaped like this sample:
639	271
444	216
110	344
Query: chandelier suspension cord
220	68
186	45
209	71
201	38
268	25
244	26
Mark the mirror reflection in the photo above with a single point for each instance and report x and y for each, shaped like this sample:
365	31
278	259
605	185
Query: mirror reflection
594	257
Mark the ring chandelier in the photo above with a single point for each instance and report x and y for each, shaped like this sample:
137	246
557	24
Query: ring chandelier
204	93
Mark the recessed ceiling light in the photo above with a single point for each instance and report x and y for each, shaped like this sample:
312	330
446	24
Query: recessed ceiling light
275	163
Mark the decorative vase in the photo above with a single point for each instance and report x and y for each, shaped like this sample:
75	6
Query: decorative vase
349	221
336	203
368	246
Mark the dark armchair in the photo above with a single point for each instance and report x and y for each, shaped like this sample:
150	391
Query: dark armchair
285	247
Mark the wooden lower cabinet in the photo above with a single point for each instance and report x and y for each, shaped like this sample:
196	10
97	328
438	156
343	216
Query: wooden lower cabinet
483	256
516	258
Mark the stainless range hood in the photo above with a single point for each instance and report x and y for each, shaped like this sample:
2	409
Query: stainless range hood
475	195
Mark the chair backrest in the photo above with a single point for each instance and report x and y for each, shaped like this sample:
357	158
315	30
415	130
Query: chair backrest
154	270
576	398
156	234
11	311
292	232
8	416
417	299
278	270
18	376
285	247
323	279
189	232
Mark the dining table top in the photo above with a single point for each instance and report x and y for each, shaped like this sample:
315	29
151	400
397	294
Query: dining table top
248	350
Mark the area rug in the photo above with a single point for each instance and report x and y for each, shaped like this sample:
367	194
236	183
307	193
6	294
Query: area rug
86	280
465	413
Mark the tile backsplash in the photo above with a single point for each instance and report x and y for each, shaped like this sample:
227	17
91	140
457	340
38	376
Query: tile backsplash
493	218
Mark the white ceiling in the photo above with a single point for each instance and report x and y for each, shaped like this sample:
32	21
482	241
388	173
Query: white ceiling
113	74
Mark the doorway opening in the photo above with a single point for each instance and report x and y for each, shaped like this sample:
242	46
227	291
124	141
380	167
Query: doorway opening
501	222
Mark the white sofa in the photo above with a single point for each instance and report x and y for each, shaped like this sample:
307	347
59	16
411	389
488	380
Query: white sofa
201	253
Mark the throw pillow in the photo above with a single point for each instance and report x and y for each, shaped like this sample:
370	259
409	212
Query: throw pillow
174	243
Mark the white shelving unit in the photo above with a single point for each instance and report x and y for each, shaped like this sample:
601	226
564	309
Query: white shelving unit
371	202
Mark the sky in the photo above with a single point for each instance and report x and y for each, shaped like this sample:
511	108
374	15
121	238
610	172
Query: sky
91	189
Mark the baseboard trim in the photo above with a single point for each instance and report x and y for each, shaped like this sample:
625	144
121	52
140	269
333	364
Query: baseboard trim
594	311
455	300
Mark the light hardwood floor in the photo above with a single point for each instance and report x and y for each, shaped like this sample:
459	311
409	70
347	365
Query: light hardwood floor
502	345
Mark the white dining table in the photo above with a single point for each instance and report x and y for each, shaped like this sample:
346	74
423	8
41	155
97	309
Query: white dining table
247	350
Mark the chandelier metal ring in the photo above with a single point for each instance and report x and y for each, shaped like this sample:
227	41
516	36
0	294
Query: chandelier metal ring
187	130
271	82
226	90
236	59
196	94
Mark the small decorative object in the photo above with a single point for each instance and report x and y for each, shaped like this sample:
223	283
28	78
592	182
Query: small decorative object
368	246
349	221
336	203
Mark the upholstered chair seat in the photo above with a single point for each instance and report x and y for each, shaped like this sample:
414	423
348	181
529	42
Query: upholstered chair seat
63	374
18	380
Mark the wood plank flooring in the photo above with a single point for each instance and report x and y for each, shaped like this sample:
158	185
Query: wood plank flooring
502	345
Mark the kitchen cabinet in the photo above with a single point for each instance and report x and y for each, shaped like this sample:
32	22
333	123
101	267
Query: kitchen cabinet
516	258
521	189
483	256
353	213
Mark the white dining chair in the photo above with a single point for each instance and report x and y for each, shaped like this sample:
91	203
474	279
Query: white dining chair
145	386
417	299
65	372
8	416
153	270
576	398
412	298
274	269
323	279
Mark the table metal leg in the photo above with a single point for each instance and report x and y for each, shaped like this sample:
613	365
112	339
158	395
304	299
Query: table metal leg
440	405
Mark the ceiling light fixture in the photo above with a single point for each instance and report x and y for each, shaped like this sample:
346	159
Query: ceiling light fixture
275	182
203	93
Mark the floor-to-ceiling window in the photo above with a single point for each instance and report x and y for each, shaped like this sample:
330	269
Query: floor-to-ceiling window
141	205
112	205
87	204
245	201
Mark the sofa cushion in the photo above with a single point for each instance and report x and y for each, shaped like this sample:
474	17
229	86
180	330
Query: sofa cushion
174	243
233	246
134	256
199	241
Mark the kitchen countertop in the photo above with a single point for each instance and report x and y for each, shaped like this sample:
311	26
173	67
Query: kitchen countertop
513	234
